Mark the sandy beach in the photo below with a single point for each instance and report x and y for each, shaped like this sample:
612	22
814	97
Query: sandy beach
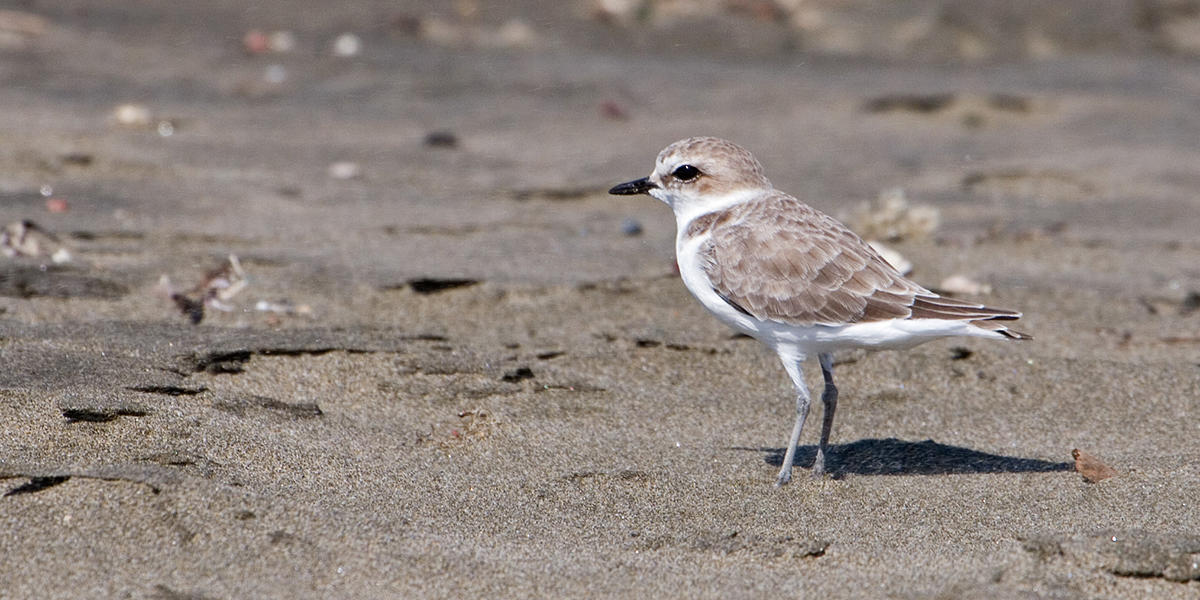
445	363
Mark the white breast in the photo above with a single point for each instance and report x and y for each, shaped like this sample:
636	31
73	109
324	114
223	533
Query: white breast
691	269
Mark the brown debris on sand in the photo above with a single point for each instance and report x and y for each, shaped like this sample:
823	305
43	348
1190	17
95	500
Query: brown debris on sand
218	287
27	239
1090	467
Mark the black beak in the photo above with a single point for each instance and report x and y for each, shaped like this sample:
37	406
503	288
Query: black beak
629	188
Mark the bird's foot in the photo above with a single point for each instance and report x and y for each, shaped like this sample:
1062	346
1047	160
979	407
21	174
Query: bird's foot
818	467
784	478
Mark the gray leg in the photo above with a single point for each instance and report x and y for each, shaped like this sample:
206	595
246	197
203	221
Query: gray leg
802	402
829	399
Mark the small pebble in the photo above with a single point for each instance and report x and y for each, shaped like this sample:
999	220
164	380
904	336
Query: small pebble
347	45
466	9
281	42
441	139
616	11
132	115
515	33
79	159
961	284
56	205
611	109
283	307
345	170
256	42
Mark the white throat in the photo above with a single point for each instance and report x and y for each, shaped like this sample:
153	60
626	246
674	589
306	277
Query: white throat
688	208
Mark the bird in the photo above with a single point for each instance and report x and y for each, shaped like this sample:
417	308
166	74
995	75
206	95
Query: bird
798	280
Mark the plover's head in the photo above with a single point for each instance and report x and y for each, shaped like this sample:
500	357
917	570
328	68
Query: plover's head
699	171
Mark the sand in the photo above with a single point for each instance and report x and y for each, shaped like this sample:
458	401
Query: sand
480	375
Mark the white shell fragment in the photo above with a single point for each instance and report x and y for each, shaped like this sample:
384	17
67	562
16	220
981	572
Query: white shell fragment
893	257
961	284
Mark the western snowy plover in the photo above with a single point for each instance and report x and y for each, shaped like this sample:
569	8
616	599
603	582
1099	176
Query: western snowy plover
796	279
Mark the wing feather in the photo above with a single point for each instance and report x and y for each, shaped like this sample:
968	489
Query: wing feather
777	259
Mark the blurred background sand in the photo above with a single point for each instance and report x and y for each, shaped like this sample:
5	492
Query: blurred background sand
445	363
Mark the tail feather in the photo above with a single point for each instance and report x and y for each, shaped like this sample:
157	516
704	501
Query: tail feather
1001	329
983	317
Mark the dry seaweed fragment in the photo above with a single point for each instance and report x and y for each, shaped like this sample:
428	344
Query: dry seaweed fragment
1091	468
218	287
26	239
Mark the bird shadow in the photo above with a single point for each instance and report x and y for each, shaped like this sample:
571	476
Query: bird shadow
898	457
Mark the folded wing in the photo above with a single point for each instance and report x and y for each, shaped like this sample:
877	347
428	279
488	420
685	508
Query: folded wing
777	259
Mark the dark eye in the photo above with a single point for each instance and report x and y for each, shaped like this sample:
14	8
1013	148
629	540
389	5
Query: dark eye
686	172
